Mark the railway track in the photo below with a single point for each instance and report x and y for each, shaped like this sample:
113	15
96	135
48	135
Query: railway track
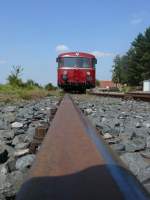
130	95
75	163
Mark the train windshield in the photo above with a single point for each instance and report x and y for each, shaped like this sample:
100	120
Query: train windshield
75	62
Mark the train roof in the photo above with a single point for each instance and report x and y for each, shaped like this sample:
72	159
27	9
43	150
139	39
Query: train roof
76	54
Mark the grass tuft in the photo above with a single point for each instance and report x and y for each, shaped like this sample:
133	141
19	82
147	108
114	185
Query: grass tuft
9	93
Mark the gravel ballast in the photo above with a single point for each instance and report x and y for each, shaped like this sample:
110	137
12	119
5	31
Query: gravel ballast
125	125
17	128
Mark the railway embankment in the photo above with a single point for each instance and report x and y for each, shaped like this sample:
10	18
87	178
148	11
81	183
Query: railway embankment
18	122
125	125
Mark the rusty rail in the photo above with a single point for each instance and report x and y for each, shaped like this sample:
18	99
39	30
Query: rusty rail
144	96
74	163
131	95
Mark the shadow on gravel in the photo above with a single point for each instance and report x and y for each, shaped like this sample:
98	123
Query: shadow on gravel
93	183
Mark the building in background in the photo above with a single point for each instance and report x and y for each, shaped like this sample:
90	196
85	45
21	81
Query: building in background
108	84
146	86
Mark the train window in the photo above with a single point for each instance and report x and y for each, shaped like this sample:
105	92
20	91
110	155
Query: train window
75	62
94	62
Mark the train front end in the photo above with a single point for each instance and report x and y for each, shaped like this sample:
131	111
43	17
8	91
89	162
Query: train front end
76	71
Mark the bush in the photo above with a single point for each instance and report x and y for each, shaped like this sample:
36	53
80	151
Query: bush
126	89
30	84
97	83
50	86
16	89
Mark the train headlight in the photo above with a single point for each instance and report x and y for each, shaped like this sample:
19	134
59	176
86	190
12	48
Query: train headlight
65	72
64	75
88	76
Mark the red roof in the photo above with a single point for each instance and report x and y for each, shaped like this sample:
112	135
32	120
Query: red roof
75	54
107	84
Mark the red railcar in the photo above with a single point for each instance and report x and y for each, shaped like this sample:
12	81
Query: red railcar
76	71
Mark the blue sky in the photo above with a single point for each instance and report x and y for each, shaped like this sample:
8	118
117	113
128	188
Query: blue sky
34	32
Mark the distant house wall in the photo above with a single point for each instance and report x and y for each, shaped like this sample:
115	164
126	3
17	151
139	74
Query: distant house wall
106	84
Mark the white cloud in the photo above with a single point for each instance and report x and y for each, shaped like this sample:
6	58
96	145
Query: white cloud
136	21
100	54
137	18
3	62
61	48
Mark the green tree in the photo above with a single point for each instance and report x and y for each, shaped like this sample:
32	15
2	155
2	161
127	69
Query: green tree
14	78
133	67
119	71
145	60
